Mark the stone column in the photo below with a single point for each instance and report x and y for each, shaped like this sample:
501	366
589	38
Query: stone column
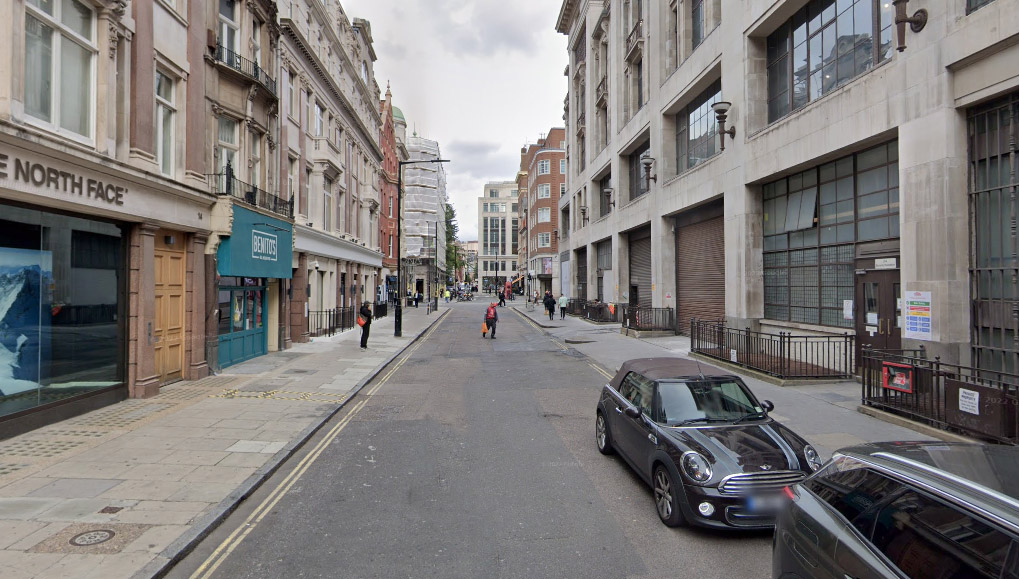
212	311
744	257
197	310
142	379
299	301
663	263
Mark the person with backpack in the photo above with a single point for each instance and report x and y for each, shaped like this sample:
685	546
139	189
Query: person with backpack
491	318
366	315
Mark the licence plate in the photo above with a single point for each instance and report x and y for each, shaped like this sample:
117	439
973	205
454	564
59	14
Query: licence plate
765	503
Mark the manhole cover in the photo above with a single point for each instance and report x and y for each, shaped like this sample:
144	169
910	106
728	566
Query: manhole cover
89	538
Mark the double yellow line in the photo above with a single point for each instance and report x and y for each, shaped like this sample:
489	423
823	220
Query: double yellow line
230	543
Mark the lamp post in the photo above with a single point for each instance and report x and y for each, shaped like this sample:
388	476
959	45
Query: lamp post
398	322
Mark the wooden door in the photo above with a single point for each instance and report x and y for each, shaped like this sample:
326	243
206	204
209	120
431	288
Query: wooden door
169	327
878	310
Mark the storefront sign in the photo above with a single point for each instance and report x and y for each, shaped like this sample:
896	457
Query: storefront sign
918	316
37	174
263	246
897	377
259	246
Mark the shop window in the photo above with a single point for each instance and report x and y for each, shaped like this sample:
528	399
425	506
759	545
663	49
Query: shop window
241	304
60	51
61	282
697	130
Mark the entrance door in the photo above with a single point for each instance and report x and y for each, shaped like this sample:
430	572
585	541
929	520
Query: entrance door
168	329
878	310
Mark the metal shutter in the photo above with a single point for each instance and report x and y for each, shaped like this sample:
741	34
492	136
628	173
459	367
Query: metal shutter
700	272
640	270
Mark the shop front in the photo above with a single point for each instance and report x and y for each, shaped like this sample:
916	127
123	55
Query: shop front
252	264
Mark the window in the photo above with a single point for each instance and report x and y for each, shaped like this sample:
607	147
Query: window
562	189
544	191
562	166
305	191
390	245
255	160
291	178
502	208
697	130
390	207
291	103
638	184
544	240
493	192
811	222
502	265
855	493
823	46
226	149
60	54
639	391
544	214
364	72
514	234
164	123
319	119
972	5
697	24
228	27
327	205
484	207
256	43
307	109
513	208
544	167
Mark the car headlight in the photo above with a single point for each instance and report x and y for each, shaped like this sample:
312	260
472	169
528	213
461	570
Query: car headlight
812	457
696	466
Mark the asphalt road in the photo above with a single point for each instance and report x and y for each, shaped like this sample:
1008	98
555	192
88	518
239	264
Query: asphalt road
473	458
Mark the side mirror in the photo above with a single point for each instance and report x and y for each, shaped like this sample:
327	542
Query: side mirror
767	405
632	412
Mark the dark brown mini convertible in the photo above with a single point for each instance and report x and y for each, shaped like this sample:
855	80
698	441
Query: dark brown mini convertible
702	441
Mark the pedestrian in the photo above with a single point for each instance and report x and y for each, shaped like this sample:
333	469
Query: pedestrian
417	298
491	319
563	303
502	299
549	302
447	296
366	314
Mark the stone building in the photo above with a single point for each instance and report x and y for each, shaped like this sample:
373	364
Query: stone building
330	134
867	161
498	235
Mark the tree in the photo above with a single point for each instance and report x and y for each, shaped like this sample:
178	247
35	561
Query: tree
454	257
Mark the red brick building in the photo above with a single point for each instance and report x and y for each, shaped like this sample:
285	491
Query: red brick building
387	193
542	181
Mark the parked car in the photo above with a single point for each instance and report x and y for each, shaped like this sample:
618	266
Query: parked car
904	509
702	441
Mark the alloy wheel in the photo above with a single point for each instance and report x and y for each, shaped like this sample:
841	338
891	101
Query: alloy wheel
663	494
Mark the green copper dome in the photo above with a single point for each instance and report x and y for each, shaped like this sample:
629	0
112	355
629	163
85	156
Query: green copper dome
398	114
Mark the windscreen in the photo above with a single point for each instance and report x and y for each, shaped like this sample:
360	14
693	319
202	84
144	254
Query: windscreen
684	401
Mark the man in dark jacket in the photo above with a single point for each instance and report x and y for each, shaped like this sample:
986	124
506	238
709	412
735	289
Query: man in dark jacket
491	319
549	302
365	313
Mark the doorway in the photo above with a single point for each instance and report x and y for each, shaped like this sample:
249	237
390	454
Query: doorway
168	329
878	311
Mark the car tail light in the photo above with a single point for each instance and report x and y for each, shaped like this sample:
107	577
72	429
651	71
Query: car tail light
789	492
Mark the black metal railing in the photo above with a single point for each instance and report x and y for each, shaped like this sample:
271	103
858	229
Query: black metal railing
600	311
380	310
782	355
647	318
329	322
246	67
971	401
575	307
227	185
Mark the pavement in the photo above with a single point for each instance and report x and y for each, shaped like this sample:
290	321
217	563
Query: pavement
125	490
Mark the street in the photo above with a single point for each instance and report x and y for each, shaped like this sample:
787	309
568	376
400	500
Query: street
467	457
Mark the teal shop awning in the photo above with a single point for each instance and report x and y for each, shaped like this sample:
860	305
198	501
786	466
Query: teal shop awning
258	246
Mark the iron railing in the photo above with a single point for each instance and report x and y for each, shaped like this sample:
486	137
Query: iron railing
575	307
975	402
602	92
647	318
636	34
600	311
782	355
246	67
227	185
329	322
380	310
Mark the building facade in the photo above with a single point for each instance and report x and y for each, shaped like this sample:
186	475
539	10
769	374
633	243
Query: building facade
543	170
498	230
330	135
392	154
424	217
867	164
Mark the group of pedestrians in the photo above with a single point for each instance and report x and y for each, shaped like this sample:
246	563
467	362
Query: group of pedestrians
550	304
549	301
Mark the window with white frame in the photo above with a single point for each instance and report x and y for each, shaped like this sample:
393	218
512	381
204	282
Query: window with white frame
307	110
228	28
544	240
291	177
562	166
291	90
544	191
390	242
544	214
502	208
327	205
60	50
226	145
255	144
256	43
164	122
544	167
319	119
390	207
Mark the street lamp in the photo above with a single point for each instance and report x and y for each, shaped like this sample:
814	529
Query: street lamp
398	322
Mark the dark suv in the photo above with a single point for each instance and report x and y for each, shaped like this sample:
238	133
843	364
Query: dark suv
904	509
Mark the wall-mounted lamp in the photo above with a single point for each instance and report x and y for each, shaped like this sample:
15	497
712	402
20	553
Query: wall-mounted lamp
607	192
647	161
916	22
315	265
721	109
583	213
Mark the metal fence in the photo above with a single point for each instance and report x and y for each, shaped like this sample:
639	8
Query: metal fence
380	310
329	322
648	318
226	184
600	311
575	307
975	402
247	67
781	355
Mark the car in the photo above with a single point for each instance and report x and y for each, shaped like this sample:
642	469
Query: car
904	509
704	443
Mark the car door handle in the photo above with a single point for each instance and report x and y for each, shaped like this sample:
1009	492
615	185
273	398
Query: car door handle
652	438
619	410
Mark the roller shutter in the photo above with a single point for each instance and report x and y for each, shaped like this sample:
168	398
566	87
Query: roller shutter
700	272
640	270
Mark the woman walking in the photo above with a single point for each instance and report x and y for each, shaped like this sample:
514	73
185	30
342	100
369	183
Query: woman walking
366	315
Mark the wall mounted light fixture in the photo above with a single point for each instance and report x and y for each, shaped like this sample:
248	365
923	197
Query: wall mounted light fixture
607	192
916	22
721	109
647	161
583	213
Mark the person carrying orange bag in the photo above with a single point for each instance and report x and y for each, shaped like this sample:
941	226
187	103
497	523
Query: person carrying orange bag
491	318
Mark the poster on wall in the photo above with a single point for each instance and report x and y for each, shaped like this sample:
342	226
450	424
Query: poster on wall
25	288
919	322
546	265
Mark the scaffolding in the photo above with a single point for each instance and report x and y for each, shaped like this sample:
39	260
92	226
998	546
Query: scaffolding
424	213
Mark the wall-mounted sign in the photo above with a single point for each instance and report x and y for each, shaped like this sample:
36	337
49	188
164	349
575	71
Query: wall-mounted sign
919	320
886	263
897	377
847	309
969	401
36	174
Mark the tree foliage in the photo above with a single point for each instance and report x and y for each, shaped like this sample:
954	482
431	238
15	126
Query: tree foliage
454	256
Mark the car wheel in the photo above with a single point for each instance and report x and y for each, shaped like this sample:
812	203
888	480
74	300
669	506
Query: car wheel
666	501
601	434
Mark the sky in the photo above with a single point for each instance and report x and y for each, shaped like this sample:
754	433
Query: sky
481	77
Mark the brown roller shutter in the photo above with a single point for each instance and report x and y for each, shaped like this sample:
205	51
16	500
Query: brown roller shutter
640	270
700	272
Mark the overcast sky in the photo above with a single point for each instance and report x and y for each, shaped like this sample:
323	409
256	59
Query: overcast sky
481	77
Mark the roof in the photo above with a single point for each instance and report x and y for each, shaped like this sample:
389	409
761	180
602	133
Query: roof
398	114
663	368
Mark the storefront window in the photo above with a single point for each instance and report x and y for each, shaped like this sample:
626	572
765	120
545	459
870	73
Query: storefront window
60	332
241	304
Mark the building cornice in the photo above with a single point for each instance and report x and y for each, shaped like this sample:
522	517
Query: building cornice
566	13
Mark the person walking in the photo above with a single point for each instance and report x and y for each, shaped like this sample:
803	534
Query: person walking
563	303
502	299
491	319
549	302
366	314
447	296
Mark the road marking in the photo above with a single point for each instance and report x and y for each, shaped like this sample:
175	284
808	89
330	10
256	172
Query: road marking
227	547
600	370
561	345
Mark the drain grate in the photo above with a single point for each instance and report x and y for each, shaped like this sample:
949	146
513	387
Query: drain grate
9	467
122	415
38	448
89	538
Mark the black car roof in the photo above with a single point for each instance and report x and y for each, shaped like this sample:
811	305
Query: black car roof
989	469
663	368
